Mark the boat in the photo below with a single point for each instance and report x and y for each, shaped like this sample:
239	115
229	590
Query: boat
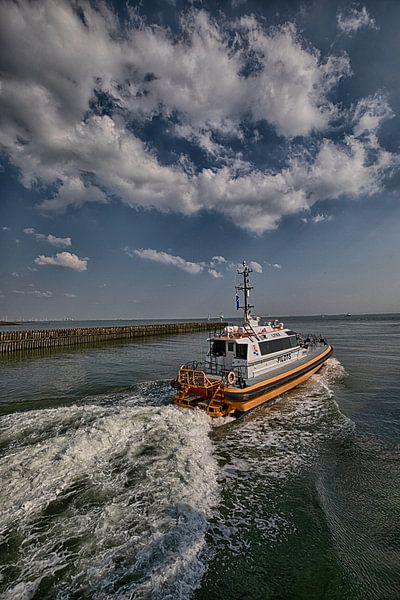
250	364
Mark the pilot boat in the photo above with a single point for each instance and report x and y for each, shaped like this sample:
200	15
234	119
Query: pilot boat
250	364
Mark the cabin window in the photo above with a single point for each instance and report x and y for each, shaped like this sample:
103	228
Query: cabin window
230	346
275	345
241	351
293	341
265	347
218	348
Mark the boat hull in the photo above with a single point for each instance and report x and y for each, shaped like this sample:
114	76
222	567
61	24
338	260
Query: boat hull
229	400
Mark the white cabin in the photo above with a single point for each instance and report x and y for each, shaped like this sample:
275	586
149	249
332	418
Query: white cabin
253	350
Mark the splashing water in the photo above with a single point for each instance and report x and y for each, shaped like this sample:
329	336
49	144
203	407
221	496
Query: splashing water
258	454
113	498
110	501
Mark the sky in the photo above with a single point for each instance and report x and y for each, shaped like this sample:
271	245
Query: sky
147	149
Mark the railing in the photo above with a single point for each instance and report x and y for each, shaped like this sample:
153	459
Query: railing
223	371
195	378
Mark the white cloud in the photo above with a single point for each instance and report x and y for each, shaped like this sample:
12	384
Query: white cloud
292	87
51	239
352	19
276	266
37	293
40	294
318	218
5	229
56	241
257	200
73	191
214	273
257	268
15	274
63	259
219	259
369	113
69	295
168	259
199	77
194	268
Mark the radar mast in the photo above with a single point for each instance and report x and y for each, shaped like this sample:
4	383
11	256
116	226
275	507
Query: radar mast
245	287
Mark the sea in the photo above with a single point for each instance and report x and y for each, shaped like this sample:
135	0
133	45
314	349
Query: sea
109	491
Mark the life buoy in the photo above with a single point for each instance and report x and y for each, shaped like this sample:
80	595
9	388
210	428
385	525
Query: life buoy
231	377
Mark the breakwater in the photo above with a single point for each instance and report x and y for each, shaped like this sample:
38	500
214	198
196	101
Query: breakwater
14	341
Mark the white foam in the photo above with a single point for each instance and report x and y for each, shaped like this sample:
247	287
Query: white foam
117	498
278	441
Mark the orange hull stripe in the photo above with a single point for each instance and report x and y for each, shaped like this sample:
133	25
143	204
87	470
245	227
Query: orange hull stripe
249	404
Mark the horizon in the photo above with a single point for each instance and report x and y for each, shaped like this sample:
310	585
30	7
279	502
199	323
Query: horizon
136	180
212	319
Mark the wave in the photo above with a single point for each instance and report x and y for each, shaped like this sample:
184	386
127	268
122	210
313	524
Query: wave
113	498
105	500
260	452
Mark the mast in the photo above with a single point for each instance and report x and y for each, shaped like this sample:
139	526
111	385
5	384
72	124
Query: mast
245	288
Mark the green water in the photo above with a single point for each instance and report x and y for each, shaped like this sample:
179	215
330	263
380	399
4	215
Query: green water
108	491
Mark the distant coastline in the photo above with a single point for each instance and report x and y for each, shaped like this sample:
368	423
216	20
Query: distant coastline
9	323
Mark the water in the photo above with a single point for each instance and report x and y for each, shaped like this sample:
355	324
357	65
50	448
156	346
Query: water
109	491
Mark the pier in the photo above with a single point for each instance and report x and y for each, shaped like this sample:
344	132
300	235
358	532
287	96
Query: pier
14	341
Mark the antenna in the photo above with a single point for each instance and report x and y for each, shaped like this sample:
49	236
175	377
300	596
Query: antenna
245	288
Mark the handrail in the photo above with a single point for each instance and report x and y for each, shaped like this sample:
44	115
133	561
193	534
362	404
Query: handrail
196	378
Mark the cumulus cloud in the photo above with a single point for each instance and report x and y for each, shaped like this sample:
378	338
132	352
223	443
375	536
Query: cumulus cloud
352	19
52	239
4	228
257	268
292	87
56	241
40	294
214	273
73	191
167	259
318	218
219	259
194	268
369	113
67	295
37	293
63	259
204	80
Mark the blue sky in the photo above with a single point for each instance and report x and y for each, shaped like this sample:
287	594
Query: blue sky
147	148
